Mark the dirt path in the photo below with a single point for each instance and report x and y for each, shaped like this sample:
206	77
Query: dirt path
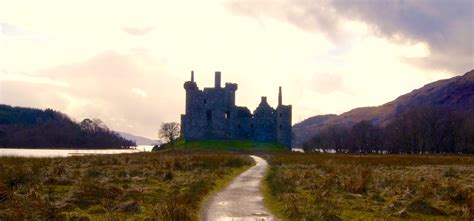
242	199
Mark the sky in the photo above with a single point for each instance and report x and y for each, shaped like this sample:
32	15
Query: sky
125	62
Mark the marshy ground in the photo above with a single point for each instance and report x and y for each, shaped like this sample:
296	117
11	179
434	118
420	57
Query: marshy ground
169	185
370	187
173	185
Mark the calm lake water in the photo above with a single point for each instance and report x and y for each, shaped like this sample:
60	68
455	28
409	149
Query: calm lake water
67	153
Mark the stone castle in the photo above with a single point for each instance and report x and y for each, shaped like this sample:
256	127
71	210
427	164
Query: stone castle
211	113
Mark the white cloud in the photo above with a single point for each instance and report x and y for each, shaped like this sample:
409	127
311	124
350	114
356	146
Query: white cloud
139	92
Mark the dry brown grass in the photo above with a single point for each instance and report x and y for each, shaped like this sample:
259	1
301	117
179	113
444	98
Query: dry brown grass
154	186
371	187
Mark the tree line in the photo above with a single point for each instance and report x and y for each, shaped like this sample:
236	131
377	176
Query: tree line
35	128
432	129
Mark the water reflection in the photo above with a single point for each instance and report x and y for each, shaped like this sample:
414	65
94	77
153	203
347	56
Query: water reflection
68	152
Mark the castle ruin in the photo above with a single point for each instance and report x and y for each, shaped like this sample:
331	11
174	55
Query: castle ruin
211	113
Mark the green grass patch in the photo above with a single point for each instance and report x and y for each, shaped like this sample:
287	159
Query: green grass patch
229	145
271	202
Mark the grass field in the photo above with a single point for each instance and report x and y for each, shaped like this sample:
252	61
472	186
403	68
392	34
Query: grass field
168	185
172	184
370	187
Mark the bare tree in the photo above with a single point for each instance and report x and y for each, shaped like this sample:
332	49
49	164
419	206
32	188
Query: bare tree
169	131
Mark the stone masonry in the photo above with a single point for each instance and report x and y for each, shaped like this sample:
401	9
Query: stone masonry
211	114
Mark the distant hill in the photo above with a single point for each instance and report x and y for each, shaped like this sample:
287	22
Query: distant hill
139	140
456	93
35	128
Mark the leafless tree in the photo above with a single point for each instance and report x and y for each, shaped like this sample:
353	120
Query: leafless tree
422	129
169	131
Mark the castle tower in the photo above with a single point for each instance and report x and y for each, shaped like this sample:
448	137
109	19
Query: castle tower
283	127
191	89
191	116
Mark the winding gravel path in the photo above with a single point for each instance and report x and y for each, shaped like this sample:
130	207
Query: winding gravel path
241	199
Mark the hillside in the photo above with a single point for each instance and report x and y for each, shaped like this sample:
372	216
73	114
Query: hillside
456	93
139	140
34	128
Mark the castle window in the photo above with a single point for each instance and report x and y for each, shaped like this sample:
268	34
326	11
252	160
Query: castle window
251	125
281	115
280	127
205	101
238	126
209	115
227	115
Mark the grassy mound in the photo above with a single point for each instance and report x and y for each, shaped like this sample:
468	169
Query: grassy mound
229	145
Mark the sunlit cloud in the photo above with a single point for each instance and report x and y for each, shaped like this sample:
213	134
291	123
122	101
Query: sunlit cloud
31	79
137	31
126	64
139	92
327	83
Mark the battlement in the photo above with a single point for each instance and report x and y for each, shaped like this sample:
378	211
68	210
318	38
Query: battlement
231	86
189	85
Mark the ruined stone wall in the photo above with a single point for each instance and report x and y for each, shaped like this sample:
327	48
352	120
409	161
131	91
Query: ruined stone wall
240	125
219	105
211	114
264	124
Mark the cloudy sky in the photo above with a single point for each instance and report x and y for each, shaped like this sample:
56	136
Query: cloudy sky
125	62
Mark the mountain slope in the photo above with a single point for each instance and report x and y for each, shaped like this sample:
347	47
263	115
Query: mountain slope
35	128
457	93
138	139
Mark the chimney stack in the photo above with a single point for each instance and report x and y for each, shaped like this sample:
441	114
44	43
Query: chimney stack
264	99
279	97
192	76
218	80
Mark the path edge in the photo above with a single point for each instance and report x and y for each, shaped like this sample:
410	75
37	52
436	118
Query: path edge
220	186
269	201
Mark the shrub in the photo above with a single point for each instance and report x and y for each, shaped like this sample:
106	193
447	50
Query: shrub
173	210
